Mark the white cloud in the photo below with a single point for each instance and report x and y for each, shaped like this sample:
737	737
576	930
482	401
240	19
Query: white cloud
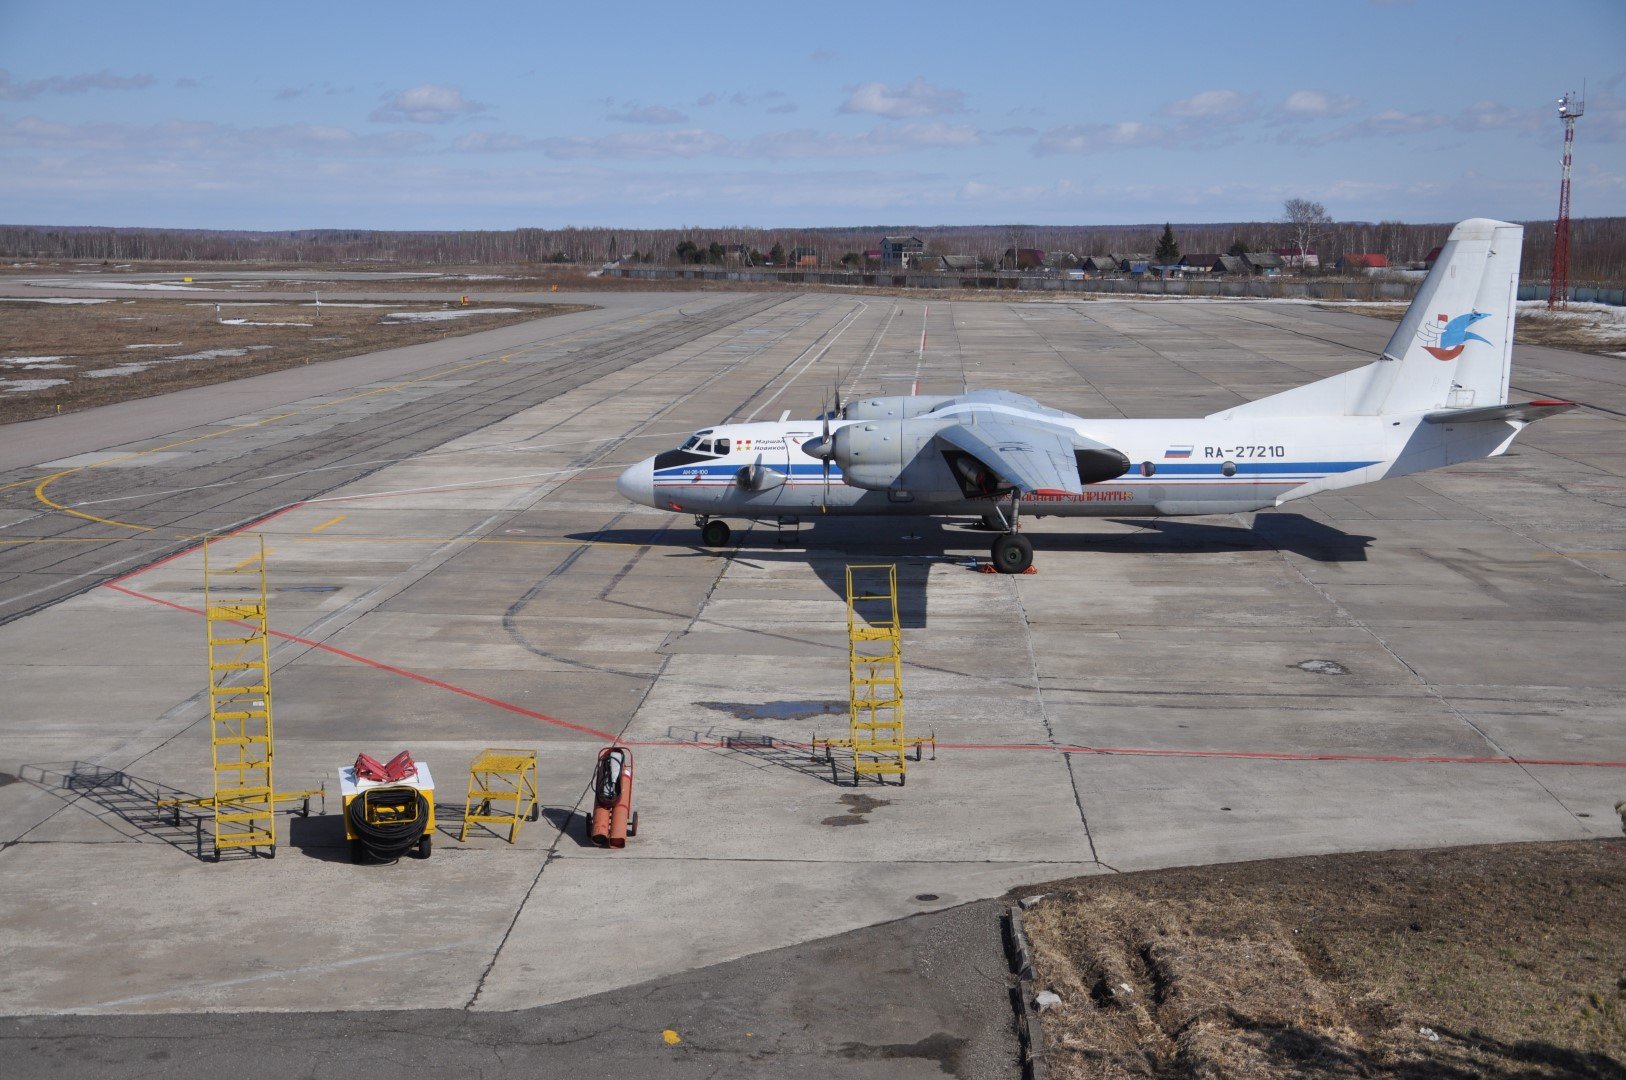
1318	105
69	84
426	103
684	143
917	98
801	143
196	140
1493	115
1088	138
1210	105
902	138
648	114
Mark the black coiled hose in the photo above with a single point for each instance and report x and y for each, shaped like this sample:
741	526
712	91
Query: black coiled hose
387	841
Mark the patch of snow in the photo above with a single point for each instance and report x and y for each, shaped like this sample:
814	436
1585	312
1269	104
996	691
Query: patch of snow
245	322
23	386
51	300
159	345
330	303
29	361
486	277
149	286
114	372
230	303
218	354
446	316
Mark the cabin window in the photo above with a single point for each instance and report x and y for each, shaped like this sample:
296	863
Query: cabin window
1147	468
722	446
1229	468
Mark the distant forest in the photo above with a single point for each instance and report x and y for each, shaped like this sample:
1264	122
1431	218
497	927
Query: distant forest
1597	245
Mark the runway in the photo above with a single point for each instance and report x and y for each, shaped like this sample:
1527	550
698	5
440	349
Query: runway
1426	661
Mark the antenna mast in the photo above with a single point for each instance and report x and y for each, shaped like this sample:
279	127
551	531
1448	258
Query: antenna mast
1570	107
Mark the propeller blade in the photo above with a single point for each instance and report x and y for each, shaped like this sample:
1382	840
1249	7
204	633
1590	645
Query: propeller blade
826	451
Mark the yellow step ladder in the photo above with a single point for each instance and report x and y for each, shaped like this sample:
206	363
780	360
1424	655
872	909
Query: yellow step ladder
234	600
498	778
875	671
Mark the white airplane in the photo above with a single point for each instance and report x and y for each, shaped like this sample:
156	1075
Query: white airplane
1436	396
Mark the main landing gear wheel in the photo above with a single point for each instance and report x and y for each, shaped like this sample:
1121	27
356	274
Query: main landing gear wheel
715	533
1013	554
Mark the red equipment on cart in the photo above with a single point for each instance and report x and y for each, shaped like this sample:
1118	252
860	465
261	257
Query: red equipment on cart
613	817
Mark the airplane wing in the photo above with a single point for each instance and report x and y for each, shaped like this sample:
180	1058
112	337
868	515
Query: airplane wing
1025	456
1526	411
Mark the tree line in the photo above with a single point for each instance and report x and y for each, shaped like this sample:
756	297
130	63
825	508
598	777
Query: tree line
1597	245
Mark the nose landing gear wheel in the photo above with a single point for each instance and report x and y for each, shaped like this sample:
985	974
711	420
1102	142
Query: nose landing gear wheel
1013	554
715	533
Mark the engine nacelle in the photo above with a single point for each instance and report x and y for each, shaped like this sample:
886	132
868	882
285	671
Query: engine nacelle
873	455
894	408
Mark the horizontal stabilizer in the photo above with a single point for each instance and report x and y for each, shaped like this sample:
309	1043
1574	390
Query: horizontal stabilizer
1525	411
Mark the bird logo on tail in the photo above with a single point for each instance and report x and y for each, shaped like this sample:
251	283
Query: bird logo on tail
1450	336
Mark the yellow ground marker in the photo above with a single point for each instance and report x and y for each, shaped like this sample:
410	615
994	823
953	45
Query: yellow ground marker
328	523
259	557
39	489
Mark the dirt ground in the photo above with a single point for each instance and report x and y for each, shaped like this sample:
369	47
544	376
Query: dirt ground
63	357
1500	961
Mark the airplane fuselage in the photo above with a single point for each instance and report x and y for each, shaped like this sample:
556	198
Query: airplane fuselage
1178	467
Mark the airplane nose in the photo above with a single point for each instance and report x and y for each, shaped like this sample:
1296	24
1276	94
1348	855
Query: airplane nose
637	482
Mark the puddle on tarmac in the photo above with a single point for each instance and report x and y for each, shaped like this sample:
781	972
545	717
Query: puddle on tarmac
777	710
1322	667
858	806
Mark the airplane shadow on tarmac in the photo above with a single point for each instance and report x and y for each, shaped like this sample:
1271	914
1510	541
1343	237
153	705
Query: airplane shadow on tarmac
828	545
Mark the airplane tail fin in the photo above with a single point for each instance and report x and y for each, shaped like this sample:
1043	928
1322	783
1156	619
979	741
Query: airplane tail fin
1452	350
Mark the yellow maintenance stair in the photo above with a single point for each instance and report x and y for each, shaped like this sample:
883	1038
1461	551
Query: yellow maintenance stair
875	671
234	599
502	791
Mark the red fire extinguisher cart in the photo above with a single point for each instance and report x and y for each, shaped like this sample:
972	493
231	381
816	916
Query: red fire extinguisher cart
613	818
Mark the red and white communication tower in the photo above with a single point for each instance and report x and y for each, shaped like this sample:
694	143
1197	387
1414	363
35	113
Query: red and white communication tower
1570	107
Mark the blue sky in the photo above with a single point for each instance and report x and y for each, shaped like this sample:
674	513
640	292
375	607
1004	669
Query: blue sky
428	116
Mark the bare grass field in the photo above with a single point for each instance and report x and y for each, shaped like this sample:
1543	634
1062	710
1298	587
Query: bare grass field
63	356
1500	961
1593	328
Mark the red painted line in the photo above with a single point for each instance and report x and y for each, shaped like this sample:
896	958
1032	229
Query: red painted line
1104	751
189	550
1267	755
1131	751
427	680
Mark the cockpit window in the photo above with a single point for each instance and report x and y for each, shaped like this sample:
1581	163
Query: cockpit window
694	441
722	446
705	447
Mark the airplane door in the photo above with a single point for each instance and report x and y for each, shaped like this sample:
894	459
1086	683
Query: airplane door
797	490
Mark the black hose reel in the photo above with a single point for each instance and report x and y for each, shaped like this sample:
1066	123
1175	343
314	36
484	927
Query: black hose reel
387	823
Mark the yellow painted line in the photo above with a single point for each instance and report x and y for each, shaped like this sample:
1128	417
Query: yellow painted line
465	539
328	523
343	540
39	489
252	559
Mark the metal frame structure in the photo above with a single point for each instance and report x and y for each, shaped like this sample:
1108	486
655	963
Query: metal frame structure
501	776
239	649
1570	107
